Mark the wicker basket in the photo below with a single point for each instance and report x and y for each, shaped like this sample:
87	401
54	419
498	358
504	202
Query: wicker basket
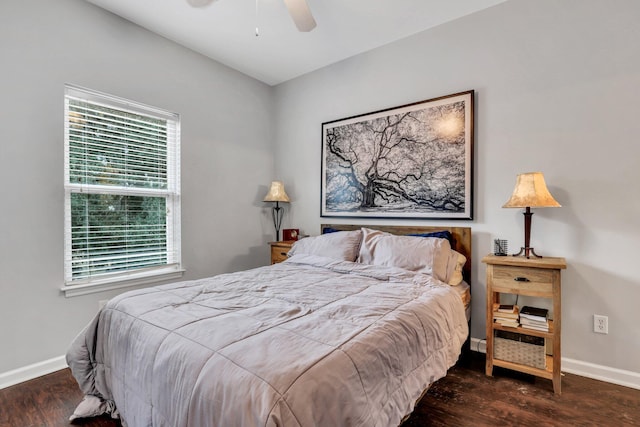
519	352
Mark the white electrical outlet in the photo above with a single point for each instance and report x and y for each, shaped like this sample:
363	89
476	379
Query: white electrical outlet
600	324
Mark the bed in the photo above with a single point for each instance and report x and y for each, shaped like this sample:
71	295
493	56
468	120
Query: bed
316	340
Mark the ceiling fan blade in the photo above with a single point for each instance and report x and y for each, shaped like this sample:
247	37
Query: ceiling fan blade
301	14
200	3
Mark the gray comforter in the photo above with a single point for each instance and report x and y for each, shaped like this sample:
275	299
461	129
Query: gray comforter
308	342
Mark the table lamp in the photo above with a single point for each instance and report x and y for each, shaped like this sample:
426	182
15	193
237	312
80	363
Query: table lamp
277	194
530	192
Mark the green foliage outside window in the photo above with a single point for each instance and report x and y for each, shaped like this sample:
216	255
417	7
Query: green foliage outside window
112	154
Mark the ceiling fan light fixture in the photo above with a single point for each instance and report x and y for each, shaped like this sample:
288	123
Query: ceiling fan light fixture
298	9
200	3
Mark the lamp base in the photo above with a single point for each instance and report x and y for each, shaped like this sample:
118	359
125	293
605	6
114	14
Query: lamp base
526	252
277	212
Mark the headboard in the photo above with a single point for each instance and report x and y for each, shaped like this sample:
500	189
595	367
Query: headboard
461	235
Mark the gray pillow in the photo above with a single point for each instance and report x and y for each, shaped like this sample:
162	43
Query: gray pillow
429	255
342	245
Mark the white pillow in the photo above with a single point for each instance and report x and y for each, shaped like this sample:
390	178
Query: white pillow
342	245
454	268
429	255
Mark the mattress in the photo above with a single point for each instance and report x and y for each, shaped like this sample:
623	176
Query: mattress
308	342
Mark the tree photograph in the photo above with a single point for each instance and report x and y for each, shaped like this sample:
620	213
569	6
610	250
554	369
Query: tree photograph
410	161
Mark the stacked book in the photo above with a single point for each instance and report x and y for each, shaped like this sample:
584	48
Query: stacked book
535	318
506	315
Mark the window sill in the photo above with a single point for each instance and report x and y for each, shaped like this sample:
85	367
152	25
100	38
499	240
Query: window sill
109	284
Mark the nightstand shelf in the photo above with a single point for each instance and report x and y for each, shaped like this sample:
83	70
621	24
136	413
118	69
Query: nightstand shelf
525	331
535	277
543	373
279	250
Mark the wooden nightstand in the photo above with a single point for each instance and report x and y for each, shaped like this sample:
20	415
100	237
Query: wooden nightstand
537	277
279	250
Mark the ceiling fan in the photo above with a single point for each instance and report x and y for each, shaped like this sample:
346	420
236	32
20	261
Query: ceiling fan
298	9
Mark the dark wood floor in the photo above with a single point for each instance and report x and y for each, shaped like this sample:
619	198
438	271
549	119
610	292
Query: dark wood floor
465	397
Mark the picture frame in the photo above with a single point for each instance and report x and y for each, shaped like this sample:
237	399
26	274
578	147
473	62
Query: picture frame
411	161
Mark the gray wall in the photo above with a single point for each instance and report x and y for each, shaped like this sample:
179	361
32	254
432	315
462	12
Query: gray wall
556	86
227	160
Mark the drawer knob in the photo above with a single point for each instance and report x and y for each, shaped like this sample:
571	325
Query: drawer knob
283	253
521	279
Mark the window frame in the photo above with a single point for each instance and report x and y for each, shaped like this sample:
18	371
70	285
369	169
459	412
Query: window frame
137	276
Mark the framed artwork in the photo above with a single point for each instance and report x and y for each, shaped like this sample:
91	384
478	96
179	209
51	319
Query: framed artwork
412	161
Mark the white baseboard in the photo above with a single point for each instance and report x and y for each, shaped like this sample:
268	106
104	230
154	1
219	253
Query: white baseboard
479	345
602	373
584	369
30	372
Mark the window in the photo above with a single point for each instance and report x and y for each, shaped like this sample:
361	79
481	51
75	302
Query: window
122	192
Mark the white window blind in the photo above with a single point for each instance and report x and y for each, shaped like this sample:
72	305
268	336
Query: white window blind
122	189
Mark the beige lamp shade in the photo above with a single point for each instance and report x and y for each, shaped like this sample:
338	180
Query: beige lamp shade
276	193
531	192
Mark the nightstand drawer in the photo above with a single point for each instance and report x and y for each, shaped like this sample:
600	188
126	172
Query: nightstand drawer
533	281
279	251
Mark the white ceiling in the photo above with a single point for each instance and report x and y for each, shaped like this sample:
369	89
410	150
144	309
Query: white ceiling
225	30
